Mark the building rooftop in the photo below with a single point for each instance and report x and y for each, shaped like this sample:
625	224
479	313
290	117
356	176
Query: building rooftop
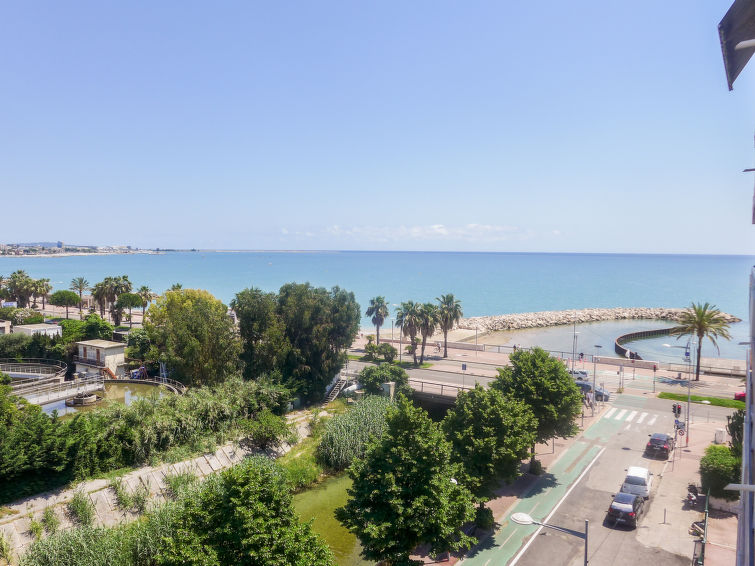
40	326
102	344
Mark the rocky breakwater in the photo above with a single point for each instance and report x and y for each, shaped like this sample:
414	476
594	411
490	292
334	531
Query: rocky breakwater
554	318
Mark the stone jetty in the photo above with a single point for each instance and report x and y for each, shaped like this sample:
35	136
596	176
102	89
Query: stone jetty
554	318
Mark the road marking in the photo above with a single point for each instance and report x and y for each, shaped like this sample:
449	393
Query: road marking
651	422
642	418
548	518
620	416
628	427
631	416
610	412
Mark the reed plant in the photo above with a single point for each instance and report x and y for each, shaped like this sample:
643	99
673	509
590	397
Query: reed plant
80	508
346	435
50	520
178	483
36	529
6	553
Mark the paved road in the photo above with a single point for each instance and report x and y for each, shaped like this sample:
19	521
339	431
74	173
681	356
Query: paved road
579	486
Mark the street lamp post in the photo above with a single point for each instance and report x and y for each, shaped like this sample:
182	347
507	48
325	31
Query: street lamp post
594	377
524	519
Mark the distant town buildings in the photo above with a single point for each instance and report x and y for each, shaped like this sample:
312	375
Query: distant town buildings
59	247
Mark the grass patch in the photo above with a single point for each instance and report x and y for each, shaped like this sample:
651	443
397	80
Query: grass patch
136	501
80	509
36	529
715	401
178	483
50	521
5	549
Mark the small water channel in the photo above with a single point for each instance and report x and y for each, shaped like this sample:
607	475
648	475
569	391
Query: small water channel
115	392
320	504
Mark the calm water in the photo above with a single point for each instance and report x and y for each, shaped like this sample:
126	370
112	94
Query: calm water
486	283
115	392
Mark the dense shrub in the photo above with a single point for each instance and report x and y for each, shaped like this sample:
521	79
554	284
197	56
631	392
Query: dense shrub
373	377
718	468
346	435
242	516
38	451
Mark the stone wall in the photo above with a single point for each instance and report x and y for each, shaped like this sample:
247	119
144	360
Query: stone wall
554	318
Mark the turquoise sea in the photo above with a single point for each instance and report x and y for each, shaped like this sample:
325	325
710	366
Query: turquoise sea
486	283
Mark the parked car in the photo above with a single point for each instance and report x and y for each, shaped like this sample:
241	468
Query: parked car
660	443
638	482
740	396
626	508
579	373
600	394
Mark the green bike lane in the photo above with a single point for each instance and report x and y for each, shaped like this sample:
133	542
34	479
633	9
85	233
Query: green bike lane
546	494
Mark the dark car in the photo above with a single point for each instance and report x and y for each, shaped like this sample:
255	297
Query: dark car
626	508
660	443
600	394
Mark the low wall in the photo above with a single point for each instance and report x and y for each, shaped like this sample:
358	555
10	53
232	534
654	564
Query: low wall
640	335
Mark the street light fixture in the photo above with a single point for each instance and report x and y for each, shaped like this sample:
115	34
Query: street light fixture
688	358
525	519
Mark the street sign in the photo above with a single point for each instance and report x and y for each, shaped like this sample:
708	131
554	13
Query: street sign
681	432
463	367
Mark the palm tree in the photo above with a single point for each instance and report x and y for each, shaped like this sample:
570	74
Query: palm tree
79	284
408	317
427	325
701	321
117	286
378	310
99	294
147	297
449	313
44	288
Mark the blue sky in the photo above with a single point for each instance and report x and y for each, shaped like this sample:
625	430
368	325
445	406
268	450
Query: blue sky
549	126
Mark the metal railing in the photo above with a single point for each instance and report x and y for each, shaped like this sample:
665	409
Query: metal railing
89	361
35	366
434	388
51	392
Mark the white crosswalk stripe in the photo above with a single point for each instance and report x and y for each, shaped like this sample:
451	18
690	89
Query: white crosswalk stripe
631	416
620	416
610	412
642	418
651	422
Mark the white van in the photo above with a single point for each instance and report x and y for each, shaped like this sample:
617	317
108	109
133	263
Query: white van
638	482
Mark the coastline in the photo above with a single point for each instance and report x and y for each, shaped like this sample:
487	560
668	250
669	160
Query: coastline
73	254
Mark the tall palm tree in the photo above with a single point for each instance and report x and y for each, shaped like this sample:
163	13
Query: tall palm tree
701	321
79	284
44	288
378	310
449	313
427	325
99	294
116	286
147	297
408	316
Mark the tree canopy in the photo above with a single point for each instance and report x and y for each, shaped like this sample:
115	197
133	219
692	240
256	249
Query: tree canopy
191	331
702	320
301	334
64	298
373	377
491	434
405	491
542	383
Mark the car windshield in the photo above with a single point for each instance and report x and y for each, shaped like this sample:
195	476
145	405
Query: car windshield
658	439
634	480
624	498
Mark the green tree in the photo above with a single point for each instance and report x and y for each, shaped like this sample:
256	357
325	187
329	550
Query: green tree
191	331
302	333
43	288
428	323
64	298
735	427
700	321
719	467
147	296
491	434
405	492
128	301
378	310
79	285
373	377
266	430
408	319
542	383
20	287
449	314
243	516
263	334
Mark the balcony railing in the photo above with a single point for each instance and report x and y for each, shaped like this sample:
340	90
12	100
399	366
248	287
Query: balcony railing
89	361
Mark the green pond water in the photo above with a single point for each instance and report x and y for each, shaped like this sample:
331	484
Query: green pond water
318	505
115	392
